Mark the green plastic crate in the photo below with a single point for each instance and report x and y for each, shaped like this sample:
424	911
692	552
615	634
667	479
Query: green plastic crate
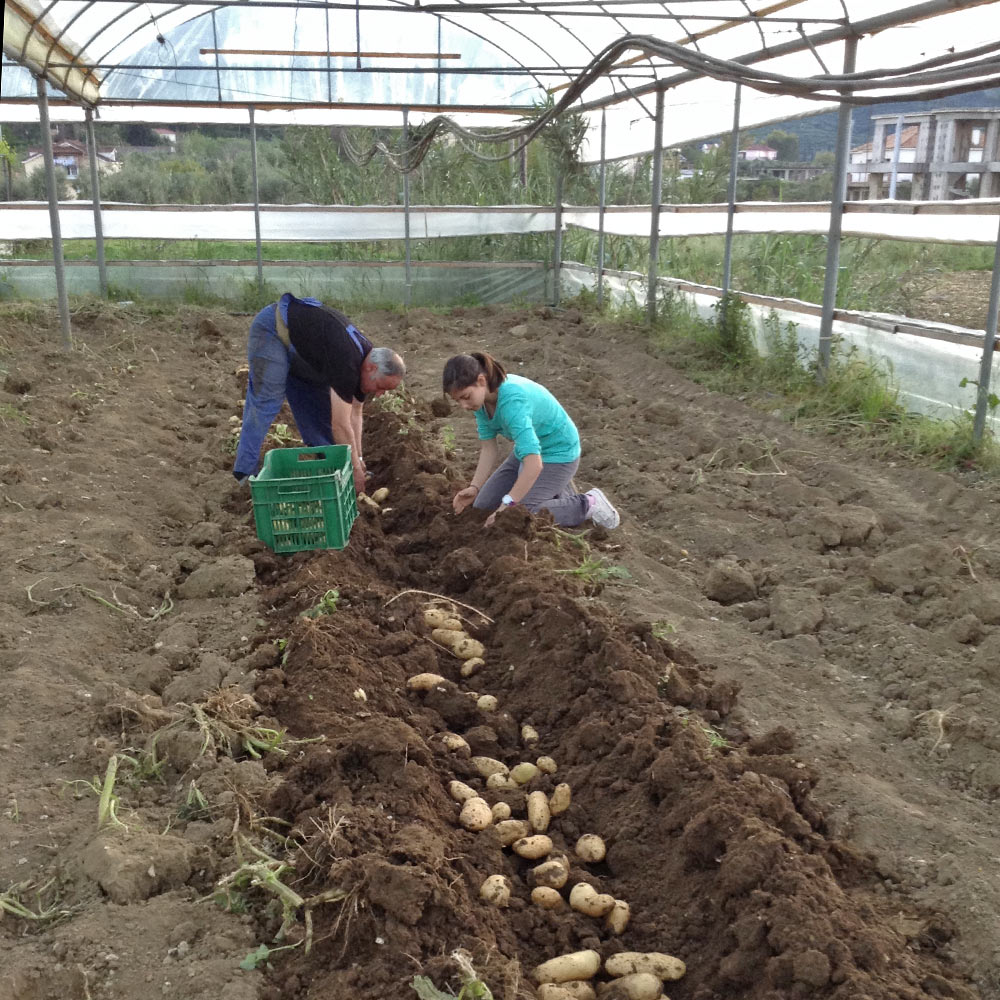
303	498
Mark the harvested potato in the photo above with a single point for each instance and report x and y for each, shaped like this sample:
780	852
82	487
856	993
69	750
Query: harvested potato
500	810
486	766
368	502
447	637
511	830
434	617
453	625
636	986
468	649
590	848
576	989
475	814
532	847
523	773
469	667
579	989
553	991
617	920
584	898
559	800
539	813
460	791
487	703
546	765
454	742
424	682
551	874
546	898
575	965
500	780
495	890
656	962
381	494
529	734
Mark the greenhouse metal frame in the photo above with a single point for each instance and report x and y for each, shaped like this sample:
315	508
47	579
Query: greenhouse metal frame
646	75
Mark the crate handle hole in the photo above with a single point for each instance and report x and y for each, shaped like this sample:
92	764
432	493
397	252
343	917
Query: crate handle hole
315	456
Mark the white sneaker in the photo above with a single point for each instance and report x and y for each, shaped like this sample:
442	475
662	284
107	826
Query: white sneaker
601	511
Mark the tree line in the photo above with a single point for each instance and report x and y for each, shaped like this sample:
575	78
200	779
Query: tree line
315	165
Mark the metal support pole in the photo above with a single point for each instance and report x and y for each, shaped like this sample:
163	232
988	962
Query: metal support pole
895	157
6	175
256	200
329	61
734	160
439	20
986	366
840	164
50	183
557	242
600	213
655	196
215	43
406	205
95	200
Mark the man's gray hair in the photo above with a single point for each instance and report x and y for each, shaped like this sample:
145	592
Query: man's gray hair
387	362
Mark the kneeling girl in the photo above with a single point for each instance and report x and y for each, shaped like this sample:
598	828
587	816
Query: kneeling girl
538	472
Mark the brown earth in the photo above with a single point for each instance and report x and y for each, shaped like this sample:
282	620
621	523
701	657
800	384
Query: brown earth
956	297
782	721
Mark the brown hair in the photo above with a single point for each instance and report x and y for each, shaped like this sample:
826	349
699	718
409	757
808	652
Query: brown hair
462	371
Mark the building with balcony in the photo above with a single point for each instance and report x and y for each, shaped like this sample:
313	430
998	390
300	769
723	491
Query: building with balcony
942	155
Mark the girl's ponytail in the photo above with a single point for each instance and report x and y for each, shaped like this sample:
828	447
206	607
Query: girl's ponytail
462	370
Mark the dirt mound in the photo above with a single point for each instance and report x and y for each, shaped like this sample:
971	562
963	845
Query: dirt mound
776	719
715	843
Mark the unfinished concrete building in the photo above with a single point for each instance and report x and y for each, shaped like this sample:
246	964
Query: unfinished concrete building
956	155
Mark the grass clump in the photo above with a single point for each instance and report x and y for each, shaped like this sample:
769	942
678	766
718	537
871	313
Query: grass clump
472	988
856	400
44	911
326	605
596	569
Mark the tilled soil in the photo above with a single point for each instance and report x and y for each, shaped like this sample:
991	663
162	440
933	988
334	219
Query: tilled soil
780	721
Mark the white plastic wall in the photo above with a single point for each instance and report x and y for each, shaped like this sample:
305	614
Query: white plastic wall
927	372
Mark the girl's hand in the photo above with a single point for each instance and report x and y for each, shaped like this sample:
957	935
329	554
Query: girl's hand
463	498
488	523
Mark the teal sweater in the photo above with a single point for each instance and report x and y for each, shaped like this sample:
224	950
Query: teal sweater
533	419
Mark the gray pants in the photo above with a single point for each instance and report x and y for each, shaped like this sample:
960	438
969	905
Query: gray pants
550	492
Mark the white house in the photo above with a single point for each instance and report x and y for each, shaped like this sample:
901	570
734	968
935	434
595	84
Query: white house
862	155
758	151
72	157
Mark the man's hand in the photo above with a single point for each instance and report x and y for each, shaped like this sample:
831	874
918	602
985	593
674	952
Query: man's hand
359	478
463	498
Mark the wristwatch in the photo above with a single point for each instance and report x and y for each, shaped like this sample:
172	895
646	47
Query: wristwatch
507	500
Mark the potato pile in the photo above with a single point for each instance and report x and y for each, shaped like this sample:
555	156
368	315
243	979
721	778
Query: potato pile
375	501
634	975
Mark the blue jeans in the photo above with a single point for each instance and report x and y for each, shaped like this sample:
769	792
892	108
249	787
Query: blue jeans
550	491
269	385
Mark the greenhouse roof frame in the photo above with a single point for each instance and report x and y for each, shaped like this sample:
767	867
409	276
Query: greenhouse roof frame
348	63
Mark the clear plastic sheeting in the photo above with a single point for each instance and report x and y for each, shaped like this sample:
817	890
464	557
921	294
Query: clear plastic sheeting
899	220
30	220
459	55
702	108
116	114
369	285
928	372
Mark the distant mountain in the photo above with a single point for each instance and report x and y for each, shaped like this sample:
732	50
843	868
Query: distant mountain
818	133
